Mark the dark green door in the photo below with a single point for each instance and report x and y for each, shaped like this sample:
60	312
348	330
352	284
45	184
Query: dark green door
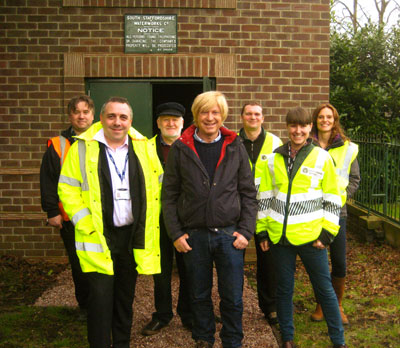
138	94
145	95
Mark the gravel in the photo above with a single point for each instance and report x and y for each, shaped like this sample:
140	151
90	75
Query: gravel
257	332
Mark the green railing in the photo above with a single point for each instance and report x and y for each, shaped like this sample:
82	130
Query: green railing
379	189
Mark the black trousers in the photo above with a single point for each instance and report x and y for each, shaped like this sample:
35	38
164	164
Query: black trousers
80	280
266	280
111	297
162	283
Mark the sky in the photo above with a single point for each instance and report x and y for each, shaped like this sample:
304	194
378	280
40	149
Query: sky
369	7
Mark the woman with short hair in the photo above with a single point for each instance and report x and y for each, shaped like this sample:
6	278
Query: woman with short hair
299	205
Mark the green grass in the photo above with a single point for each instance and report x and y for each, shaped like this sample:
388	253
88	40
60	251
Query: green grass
374	322
372	300
34	327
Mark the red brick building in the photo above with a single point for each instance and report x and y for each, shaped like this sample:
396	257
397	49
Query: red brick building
272	51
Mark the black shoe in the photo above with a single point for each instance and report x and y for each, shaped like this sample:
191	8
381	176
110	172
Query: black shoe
339	346
187	325
152	328
203	344
272	318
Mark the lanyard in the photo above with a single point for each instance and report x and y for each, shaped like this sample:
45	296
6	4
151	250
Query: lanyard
291	159
121	176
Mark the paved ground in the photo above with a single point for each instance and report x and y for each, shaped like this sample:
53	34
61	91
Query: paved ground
257	332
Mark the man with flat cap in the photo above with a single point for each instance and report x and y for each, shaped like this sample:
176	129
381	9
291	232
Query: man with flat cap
170	123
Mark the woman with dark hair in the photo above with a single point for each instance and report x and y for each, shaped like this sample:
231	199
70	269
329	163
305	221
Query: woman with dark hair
298	214
328	134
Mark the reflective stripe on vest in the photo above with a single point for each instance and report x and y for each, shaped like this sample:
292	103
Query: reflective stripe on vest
82	164
61	146
80	215
69	181
344	171
303	207
84	185
93	247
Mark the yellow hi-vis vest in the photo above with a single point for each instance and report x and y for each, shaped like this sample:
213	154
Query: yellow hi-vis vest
344	156
301	206
79	191
271	142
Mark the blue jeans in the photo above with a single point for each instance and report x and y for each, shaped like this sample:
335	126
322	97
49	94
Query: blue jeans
215	246
316	263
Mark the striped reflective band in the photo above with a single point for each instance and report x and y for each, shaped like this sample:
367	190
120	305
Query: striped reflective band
295	197
62	145
69	181
93	247
344	171
297	208
332	208
82	164
80	215
264	204
160	178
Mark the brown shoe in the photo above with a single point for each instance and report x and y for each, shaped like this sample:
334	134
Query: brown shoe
317	315
288	344
272	318
338	286
339	346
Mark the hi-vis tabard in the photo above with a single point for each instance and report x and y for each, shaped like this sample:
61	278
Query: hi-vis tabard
79	190
300	206
344	156
271	142
61	145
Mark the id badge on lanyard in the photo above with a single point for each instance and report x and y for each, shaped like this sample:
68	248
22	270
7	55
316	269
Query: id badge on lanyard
122	194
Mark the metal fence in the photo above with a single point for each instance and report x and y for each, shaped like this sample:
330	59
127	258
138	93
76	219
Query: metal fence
379	189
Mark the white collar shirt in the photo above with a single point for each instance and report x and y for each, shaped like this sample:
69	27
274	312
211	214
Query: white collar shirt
122	207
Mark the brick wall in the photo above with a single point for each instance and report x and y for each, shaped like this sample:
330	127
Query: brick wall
275	52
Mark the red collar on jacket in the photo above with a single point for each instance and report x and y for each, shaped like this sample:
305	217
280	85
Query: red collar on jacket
188	139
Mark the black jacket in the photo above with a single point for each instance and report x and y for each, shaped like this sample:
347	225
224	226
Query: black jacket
49	174
189	200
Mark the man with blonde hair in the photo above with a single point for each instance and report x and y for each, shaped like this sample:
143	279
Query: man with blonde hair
209	204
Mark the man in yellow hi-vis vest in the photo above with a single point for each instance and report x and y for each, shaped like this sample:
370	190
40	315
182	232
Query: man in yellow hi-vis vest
110	187
80	113
259	143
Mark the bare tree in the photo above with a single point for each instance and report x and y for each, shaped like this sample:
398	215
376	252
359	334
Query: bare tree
353	11
348	13
382	6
